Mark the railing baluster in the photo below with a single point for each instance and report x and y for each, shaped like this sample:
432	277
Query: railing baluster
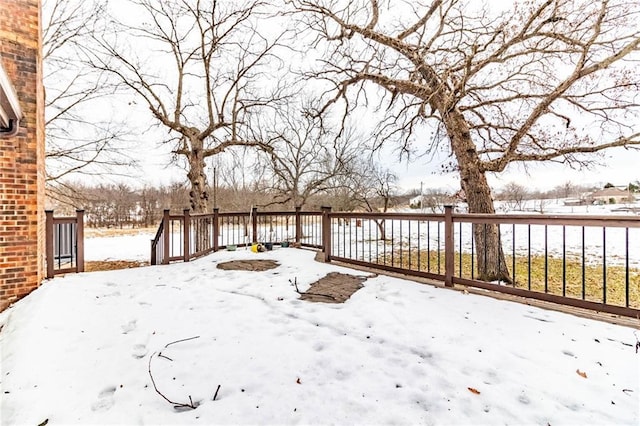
393	242
409	232
626	275
604	264
529	257
369	229
546	261
460	248
429	244
363	239
484	245
439	272
473	256
72	247
351	227
378	242
583	267
419	248
344	237
59	237
564	261
513	253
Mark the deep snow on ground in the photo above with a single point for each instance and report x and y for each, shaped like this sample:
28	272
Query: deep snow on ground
77	351
121	247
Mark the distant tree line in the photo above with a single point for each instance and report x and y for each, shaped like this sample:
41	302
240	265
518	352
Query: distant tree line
515	194
119	205
370	189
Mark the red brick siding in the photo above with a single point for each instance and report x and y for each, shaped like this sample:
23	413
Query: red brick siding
22	156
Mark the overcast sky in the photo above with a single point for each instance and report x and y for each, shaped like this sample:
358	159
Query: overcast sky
620	165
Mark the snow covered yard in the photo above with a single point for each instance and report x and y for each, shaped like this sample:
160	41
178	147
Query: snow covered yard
78	351
131	246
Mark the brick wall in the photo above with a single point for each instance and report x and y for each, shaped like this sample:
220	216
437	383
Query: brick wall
22	156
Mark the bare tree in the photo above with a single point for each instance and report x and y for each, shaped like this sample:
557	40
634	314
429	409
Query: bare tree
433	199
515	195
200	67
373	187
304	159
547	80
77	142
149	204
238	180
566	190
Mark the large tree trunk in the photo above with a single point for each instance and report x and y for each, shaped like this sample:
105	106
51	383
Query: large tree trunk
491	264
199	197
199	193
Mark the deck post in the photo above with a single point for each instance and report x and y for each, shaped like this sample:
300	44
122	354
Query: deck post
166	236
187	234
49	242
326	233
80	240
448	246
216	229
298	224
153	253
254	225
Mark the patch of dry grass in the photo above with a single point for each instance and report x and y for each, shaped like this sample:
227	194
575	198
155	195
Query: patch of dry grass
111	265
534	274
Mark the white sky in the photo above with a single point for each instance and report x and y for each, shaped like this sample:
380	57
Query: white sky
620	166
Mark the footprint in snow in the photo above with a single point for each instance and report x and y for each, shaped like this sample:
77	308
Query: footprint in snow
524	399
318	347
128	327
139	351
105	399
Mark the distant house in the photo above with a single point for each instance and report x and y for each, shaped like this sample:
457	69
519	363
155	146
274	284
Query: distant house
611	196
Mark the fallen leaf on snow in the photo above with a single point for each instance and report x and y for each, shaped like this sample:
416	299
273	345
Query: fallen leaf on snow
473	390
581	373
